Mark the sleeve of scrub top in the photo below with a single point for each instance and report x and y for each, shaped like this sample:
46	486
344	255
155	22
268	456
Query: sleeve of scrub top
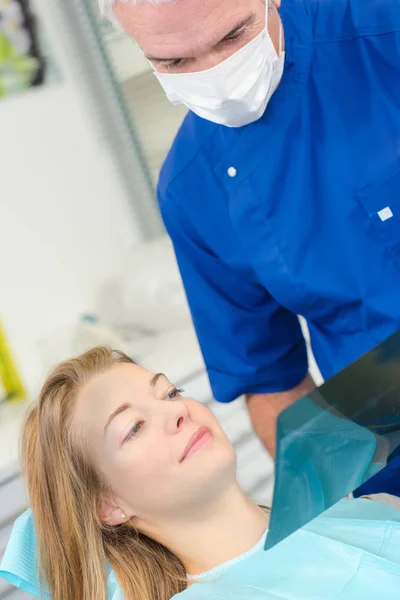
250	343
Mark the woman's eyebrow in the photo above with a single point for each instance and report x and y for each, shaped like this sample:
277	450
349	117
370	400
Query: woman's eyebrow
126	406
155	378
116	412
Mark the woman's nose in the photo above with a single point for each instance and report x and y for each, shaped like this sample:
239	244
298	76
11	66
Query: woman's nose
176	416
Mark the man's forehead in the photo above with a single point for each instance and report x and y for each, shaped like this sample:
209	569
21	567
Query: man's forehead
174	22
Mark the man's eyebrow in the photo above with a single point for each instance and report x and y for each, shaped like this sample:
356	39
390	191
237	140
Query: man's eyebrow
248	21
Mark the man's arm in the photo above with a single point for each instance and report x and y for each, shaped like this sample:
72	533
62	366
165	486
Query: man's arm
265	408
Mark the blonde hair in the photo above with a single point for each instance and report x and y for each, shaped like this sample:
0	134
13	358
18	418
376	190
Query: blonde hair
75	548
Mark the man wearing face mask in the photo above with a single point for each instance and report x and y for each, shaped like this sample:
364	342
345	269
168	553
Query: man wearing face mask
281	190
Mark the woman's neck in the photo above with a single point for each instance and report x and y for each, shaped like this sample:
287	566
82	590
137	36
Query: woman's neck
224	530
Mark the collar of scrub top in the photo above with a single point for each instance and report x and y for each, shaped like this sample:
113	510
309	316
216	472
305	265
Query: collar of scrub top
323	454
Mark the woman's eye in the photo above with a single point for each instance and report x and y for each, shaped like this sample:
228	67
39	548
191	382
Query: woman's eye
174	393
134	431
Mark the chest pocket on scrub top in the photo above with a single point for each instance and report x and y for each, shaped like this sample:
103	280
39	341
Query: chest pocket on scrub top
381	200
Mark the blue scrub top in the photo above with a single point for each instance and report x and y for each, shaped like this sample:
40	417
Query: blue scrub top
310	222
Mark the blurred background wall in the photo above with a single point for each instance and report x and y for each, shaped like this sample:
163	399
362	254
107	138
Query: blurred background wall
66	211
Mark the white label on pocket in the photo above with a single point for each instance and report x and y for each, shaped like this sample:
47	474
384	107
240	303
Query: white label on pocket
385	213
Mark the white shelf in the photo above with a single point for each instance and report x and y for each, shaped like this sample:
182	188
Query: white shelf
127	60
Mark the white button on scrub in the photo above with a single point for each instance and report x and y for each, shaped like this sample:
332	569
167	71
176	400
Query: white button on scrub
232	172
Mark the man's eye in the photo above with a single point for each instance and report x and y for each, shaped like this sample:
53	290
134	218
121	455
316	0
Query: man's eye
174	393
174	64
233	38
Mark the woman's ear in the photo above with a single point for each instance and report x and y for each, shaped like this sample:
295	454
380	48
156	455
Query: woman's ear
277	3
110	513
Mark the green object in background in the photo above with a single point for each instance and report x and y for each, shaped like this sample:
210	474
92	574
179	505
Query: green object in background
17	71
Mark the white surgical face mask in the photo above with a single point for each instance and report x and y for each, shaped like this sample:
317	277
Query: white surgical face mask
236	91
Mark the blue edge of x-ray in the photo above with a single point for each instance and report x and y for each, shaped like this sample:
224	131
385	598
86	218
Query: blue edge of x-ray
324	455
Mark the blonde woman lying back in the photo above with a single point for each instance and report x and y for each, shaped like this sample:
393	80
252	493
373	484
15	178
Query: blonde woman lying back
134	496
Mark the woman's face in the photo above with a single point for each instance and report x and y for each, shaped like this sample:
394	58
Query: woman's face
162	454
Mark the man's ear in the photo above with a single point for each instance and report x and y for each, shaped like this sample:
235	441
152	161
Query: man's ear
278	3
110	513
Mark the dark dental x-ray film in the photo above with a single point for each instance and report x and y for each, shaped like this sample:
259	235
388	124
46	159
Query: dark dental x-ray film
344	438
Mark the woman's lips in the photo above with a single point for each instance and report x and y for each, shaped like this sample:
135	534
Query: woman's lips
199	439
